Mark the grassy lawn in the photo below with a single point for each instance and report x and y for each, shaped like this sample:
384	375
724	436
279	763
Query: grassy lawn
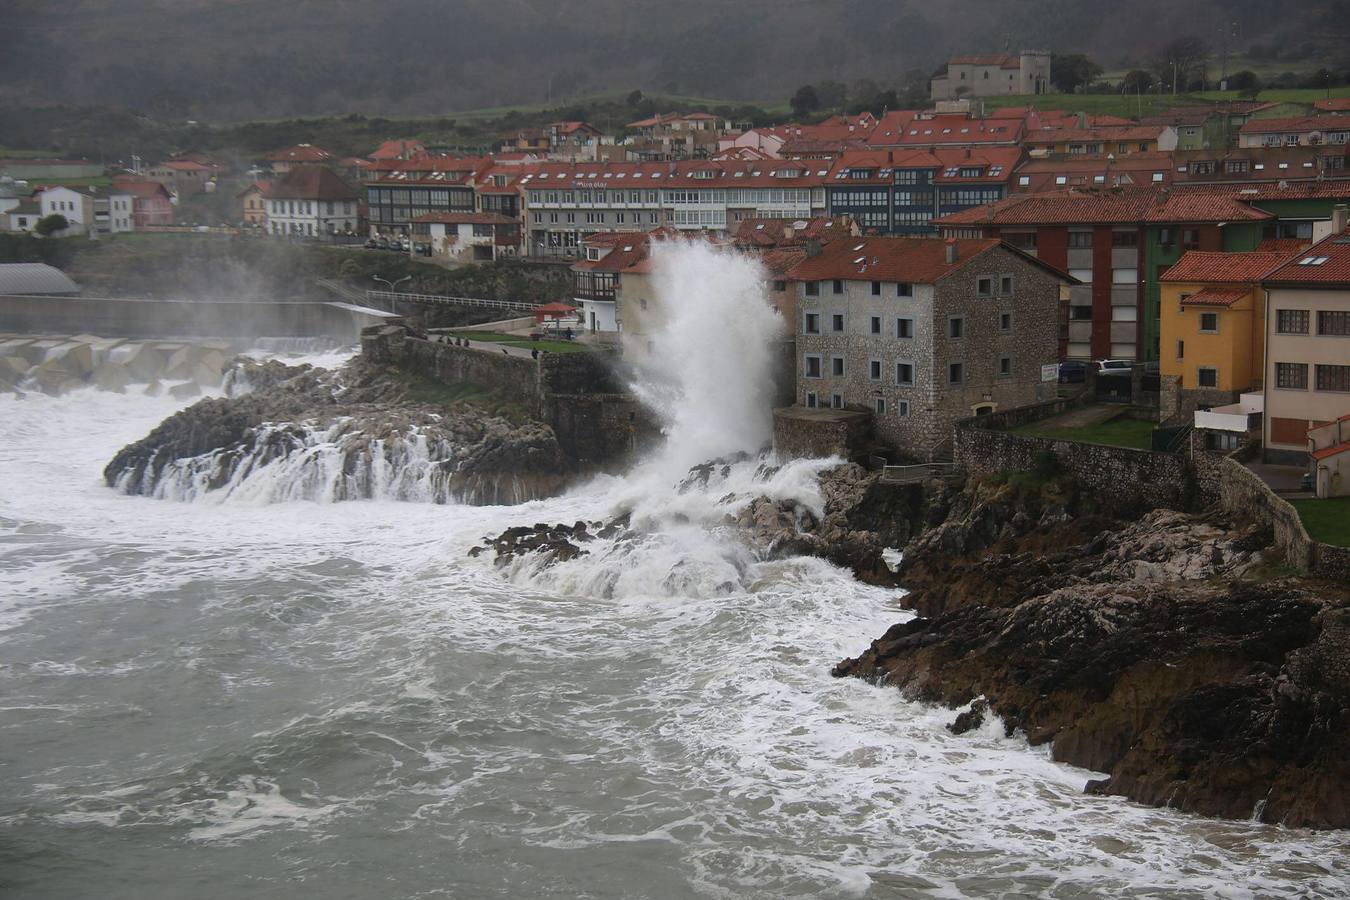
515	340
1121	432
1327	521
1131	106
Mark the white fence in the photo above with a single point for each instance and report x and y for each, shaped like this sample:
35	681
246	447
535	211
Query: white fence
390	297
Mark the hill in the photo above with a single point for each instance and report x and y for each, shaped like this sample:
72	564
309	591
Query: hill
248	59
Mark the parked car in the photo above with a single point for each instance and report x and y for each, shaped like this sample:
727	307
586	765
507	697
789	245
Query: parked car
372	244
1114	365
1072	372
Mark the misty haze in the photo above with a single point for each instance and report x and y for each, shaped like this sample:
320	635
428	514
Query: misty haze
884	449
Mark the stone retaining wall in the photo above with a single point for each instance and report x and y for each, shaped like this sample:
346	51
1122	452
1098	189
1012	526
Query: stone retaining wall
1124	480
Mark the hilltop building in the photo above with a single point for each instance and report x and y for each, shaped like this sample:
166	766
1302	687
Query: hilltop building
989	76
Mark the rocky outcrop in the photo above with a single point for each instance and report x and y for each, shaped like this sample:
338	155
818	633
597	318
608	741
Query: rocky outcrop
354	433
1156	651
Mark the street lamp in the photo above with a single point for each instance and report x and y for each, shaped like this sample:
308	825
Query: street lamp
392	284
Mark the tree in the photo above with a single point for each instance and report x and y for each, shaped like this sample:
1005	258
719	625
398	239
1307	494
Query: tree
805	101
48	225
1183	61
634	98
1070	71
832	94
1244	81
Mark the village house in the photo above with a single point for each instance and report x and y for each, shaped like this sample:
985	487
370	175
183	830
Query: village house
923	332
23	215
183	177
1116	244
1300	131
575	141
1212	327
904	192
1329	451
676	136
1120	140
402	190
1258	165
151	203
468	236
908	130
1104	170
300	155
89	210
1307	367
311	201
253	204
993	75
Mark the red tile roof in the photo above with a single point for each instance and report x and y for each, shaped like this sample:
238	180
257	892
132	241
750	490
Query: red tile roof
1332	104
780	260
916	260
953	129
1212	296
1326	262
261	186
776	232
398	149
1297	123
311	183
1102	133
185	165
300	153
1333	450
1110	207
1224	268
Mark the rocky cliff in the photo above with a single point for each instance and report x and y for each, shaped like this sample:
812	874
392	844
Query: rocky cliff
1169	652
355	433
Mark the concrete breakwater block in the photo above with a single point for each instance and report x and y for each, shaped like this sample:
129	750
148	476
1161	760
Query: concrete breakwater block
184	390
139	359
109	376
75	357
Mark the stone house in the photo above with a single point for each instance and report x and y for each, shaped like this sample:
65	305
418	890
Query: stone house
923	332
468	237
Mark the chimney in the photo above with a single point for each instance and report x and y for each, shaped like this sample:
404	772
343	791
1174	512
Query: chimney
1340	218
952	252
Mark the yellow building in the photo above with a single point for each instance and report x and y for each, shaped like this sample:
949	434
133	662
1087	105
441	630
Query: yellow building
1212	327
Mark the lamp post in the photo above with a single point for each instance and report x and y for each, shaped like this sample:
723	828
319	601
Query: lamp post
392	285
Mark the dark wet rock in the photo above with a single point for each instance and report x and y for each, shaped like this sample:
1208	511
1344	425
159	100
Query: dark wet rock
970	719
363	409
1152	650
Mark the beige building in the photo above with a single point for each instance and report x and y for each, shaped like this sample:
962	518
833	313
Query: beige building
990	76
1307	368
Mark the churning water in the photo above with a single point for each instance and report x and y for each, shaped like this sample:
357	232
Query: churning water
247	699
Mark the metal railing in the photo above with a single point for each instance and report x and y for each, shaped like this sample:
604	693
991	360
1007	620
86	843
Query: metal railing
915	473
391	297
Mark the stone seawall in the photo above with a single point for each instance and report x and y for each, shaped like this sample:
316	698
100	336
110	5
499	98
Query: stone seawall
1123	479
578	394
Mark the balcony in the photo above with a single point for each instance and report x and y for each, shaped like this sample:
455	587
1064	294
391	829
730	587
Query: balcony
1242	417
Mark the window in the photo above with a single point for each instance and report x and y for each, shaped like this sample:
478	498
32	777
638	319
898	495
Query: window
837	322
1005	366
956	373
780	286
904	289
879	405
1190	238
838	286
837	401
1333	378
904	328
902	408
812	288
1333	323
811	323
1181	349
1005	285
812	365
904	374
956	327
1005	321
1207	377
876	289
984	287
1293	376
874	369
1083	275
1023	240
811	401
1209	323
1291	321
1124	276
876	325
1080	240
1080	313
1124	239
837	366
